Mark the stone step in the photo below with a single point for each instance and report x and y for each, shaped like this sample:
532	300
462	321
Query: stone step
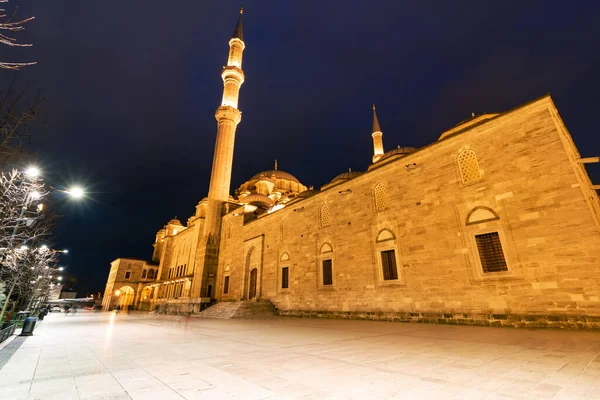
240	309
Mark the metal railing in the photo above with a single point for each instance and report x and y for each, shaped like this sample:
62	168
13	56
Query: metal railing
7	332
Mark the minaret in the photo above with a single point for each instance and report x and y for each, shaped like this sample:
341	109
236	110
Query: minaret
228	117
377	138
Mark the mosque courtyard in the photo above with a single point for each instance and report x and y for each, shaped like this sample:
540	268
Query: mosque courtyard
139	356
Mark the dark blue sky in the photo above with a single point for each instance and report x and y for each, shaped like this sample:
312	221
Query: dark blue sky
132	87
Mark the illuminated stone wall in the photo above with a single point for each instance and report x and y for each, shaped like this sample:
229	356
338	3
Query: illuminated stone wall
530	191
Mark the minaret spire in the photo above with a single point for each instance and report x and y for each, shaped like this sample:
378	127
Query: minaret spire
377	136
238	33
228	117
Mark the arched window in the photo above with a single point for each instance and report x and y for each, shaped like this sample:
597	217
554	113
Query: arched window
150	274
380	197
469	167
326	258
325	216
144	272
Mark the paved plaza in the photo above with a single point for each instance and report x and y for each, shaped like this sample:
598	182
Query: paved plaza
138	356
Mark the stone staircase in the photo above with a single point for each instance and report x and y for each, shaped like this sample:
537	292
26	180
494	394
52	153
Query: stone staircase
240	309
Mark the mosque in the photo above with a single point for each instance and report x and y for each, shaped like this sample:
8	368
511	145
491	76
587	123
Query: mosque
495	223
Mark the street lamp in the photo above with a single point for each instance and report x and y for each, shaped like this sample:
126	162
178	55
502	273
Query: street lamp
76	192
32	171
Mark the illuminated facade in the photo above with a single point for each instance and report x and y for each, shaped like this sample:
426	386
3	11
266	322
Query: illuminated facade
496	223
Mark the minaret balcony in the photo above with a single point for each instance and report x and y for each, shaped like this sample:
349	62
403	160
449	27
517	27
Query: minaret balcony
233	72
228	113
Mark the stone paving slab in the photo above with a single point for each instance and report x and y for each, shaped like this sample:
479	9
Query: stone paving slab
140	356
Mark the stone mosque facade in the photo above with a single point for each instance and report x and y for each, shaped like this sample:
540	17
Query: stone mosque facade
495	223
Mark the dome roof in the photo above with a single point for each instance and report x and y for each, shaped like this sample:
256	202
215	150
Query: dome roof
174	221
278	175
346	176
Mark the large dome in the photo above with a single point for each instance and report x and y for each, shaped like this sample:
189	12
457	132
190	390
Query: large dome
278	175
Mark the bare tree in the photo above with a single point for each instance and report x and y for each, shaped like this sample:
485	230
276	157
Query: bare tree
8	23
22	225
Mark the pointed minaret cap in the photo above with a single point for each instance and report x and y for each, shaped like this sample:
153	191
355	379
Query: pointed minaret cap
238	34
376	127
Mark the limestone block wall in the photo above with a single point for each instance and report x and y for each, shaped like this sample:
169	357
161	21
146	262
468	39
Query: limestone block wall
538	199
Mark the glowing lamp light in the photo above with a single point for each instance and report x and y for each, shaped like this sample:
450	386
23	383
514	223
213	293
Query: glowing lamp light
117	292
32	171
65	251
59	278
35	195
40	207
76	192
43	247
23	248
60	268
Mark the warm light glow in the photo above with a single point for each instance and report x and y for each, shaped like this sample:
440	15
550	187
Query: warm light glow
44	247
65	251
117	292
32	171
59	278
40	207
35	195
60	268
275	208
23	248
76	192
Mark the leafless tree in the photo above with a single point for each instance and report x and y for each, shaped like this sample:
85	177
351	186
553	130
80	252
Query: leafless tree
23	226
8	23
16	115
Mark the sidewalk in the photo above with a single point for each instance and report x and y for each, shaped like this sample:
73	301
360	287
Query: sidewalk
137	356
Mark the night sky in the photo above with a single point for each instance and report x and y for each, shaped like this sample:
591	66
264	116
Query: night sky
132	88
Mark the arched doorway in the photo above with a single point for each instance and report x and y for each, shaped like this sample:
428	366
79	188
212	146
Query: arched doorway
125	296
252	288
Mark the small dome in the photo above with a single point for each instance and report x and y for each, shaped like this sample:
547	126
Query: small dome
278	175
397	150
346	176
175	221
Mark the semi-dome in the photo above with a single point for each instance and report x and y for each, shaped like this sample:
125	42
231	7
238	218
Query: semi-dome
175	221
278	175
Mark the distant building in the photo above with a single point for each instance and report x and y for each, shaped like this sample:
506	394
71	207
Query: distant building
68	295
496	222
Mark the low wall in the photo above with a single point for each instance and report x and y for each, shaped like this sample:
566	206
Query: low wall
574	322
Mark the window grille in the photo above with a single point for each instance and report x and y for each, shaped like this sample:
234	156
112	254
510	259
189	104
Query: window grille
388	263
327	272
285	277
325	217
226	285
381	200
469	167
151	274
490	252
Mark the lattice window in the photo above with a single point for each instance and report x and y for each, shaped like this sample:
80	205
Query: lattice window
388	263
325	216
144	272
327	272
490	252
469	167
380	195
226	285
285	274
